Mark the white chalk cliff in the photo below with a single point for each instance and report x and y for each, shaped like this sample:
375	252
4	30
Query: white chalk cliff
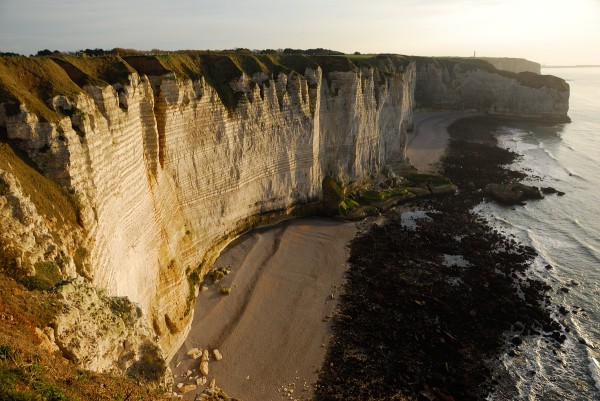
474	86
166	168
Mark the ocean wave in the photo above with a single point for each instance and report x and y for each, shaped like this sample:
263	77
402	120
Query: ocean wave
595	372
589	249
564	231
589	230
546	241
543	160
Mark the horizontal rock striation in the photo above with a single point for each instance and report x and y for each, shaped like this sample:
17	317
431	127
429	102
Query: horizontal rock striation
164	168
169	157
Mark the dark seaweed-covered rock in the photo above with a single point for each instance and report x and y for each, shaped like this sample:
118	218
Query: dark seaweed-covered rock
416	329
512	193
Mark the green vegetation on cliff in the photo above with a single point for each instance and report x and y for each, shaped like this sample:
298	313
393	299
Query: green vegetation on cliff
466	64
50	200
96	71
32	82
30	372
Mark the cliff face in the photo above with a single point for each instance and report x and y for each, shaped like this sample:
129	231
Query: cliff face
473	85
164	171
167	158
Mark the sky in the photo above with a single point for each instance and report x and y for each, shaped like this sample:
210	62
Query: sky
551	32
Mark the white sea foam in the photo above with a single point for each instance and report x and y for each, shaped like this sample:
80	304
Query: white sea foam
595	372
564	231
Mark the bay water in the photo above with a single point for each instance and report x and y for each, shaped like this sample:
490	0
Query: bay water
565	230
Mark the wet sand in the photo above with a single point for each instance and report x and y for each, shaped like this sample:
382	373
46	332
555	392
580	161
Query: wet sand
273	327
427	142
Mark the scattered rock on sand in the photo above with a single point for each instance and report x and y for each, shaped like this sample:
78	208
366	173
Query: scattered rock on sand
204	368
201	381
188	388
205	356
214	393
194	353
217	355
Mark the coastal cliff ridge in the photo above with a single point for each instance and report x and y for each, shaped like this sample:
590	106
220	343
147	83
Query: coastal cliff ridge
156	162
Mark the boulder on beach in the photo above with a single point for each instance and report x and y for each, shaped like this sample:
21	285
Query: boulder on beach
213	394
442	189
187	388
551	190
217	355
360	213
194	353
512	194
204	368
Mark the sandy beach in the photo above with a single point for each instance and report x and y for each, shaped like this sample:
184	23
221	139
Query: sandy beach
273	327
427	142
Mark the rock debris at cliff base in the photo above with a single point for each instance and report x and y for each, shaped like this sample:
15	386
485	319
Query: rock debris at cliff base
410	327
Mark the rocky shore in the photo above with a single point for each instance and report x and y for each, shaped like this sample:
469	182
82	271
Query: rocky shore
433	289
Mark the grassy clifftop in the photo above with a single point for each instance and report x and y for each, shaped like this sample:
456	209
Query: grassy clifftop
530	79
34	80
96	71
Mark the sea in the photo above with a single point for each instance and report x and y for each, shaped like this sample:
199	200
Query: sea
565	230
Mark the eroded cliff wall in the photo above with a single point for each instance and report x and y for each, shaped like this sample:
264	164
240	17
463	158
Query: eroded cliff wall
471	84
164	169
168	157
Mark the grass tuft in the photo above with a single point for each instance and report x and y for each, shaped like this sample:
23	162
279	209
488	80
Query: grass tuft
47	275
50	200
217	274
224	290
